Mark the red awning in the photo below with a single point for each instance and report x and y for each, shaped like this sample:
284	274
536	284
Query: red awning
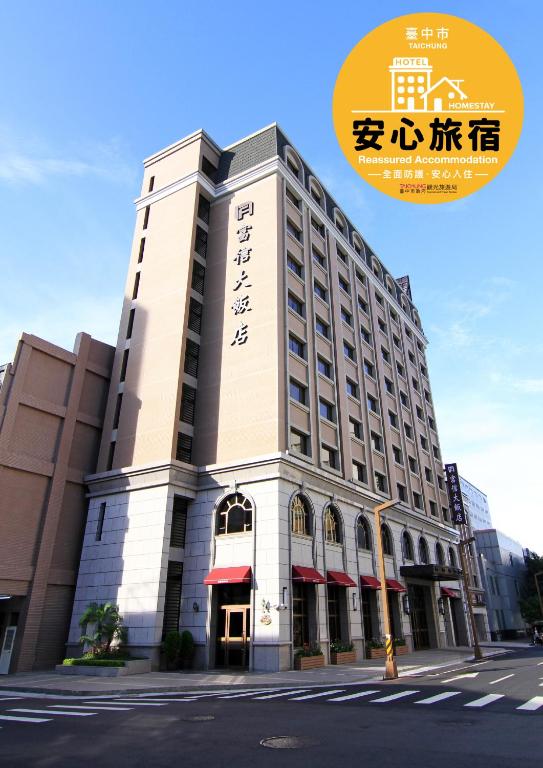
446	592
241	574
307	575
340	578
395	586
370	581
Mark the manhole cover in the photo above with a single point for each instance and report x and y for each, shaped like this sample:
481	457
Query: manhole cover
199	718
287	742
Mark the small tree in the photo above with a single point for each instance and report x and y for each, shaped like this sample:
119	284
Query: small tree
186	648
107	625
172	646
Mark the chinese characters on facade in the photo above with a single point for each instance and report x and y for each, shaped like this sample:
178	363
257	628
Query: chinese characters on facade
456	503
242	299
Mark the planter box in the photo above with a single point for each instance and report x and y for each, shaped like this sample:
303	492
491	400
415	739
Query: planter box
308	662
376	653
344	657
135	667
400	650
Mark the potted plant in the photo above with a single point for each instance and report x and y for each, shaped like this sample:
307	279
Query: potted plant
308	657
186	649
342	653
106	628
400	646
375	649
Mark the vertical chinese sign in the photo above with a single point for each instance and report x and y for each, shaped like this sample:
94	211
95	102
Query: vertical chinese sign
241	304
456	503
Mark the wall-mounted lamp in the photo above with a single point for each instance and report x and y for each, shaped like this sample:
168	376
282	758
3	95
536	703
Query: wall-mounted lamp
355	602
283	604
441	605
195	607
405	604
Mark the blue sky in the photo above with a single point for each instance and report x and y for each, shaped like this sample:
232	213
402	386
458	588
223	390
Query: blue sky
91	88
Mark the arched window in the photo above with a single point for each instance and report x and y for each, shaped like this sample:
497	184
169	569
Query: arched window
363	533
301	516
440	555
407	546
424	555
316	192
235	515
452	557
387	540
332	525
340	222
293	163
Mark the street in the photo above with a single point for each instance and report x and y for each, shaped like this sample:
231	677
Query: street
484	714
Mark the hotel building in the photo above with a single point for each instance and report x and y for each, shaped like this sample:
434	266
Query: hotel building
269	388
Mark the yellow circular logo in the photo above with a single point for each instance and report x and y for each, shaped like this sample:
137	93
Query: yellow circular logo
428	108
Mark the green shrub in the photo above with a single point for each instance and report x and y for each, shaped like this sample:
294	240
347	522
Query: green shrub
93	663
399	641
172	646
374	643
314	650
186	646
338	647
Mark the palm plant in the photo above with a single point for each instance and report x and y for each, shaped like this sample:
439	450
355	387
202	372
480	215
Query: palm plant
107	626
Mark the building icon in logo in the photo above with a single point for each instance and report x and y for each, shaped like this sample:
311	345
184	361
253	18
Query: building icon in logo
412	90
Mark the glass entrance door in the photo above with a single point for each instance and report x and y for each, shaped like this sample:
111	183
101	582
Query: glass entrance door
234	642
419	620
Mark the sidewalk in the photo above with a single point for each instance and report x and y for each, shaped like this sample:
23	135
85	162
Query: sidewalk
164	682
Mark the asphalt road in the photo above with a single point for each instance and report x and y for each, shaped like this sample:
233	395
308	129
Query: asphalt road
491	718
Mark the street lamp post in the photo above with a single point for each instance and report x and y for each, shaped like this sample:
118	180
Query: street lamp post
464	544
391	670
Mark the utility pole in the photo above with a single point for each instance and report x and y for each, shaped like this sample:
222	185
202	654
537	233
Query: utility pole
536	576
391	670
466	570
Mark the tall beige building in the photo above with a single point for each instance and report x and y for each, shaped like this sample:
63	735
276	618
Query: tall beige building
270	387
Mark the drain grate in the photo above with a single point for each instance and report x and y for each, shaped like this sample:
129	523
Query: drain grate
287	742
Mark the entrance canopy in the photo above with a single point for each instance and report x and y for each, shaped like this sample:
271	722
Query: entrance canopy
446	592
395	586
431	572
301	573
241	574
340	578
370	582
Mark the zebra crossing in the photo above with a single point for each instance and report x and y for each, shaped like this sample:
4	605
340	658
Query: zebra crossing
11	713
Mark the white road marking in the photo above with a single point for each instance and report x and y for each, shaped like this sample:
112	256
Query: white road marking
532	704
484	700
55	712
152	701
540	664
502	678
393	697
467	676
316	695
26	719
10	698
353	696
132	703
438	697
87	706
241	695
284	693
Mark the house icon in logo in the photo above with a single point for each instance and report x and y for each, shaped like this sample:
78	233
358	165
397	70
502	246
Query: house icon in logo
412	90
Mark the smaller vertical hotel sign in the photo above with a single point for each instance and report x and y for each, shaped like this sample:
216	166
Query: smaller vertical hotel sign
455	495
242	301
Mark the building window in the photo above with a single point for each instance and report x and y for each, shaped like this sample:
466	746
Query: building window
427	396
317	226
172	598
316	195
324	367
389	386
141	250
363	305
332	525
321	327
298	392
433	508
424	442
393	418
393	315
188	404
402	492
408	332
146	216
198	277
420	414
355	428
400	369
398	458
346	317
348	351
344	285
195	316
415	383
376	441
300	615
184	448
136	286
319	290
294	266
192	354
179	522
359	472
424	555
411	357
200	241
318	257
366	336
294	231
204	207
295	305
408	430
382	326
381	482
363	534
293	199
404	400
299	442
208	168
235	515
440	555
424	371
379	299
326	410
300	516
130	326
292	166
100	524
440	483
413	465
124	365
373	405
117	414
329	457
352	388
296	346
369	368
435	451
428	474
386	538
340	252
417	500
432	423
396	341
407	546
